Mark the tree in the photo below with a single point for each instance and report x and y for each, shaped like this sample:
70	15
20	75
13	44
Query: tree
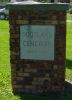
43	0
4	0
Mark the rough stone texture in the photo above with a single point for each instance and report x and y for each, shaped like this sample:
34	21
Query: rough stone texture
32	76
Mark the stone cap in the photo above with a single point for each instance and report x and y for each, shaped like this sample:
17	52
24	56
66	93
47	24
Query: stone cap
26	2
28	5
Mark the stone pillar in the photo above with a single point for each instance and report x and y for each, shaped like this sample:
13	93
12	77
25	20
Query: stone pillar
37	47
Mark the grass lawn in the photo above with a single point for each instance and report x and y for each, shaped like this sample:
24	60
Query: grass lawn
69	49
5	77
69	58
69	16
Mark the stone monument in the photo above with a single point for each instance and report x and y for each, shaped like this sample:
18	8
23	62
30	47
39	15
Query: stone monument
37	46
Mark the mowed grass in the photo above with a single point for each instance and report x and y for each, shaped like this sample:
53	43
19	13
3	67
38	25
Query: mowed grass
5	75
5	71
69	51
69	48
69	16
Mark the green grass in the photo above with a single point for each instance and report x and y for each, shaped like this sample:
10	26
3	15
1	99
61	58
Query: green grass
5	75
69	49
69	52
69	16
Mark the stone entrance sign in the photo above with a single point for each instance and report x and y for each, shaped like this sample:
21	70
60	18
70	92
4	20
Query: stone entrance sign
37	42
37	46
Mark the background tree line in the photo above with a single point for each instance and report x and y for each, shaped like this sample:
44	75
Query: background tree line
38	0
23	0
4	0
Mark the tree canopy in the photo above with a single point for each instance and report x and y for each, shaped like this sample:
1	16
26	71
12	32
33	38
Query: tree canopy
4	0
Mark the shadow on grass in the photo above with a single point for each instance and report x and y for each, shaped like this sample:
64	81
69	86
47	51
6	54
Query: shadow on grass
69	63
67	95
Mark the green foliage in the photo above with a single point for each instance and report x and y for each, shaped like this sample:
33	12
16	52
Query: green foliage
4	0
42	0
